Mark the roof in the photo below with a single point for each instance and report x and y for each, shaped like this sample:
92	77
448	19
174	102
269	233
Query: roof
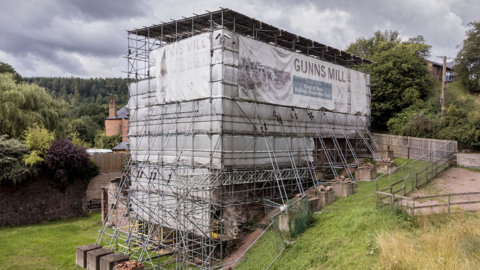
121	146
121	114
450	65
244	25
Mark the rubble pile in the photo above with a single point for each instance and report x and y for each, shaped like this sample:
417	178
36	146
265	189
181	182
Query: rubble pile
323	188
388	160
341	178
367	166
129	265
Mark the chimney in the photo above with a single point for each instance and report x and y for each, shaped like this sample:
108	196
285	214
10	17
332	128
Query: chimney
112	106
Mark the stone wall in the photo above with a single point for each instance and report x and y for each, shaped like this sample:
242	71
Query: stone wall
35	201
100	181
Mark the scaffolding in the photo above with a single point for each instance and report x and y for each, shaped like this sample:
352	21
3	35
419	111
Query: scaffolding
195	164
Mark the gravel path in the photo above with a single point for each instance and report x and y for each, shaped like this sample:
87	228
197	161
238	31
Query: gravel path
453	180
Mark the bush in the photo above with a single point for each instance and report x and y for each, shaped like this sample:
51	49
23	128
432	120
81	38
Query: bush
67	161
38	140
12	166
107	142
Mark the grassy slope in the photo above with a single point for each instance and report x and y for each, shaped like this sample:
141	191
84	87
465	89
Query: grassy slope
48	245
342	237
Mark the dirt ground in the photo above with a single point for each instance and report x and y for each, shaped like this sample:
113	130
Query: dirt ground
453	180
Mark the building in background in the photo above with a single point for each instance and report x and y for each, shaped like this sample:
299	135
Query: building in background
117	124
436	69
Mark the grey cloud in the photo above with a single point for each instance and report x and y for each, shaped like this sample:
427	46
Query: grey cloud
88	38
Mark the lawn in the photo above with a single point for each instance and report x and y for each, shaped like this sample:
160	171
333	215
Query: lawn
344	235
47	245
351	233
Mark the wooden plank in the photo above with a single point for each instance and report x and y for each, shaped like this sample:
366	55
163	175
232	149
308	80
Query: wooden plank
446	204
445	195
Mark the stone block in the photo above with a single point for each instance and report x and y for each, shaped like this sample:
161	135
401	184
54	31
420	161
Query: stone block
93	258
343	189
326	197
312	193
384	167
109	261
366	174
314	204
81	254
384	154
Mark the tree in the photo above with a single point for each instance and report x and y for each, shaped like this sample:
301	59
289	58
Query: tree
66	161
99	97
76	96
63	93
400	75
24	104
80	127
38	140
401	80
6	68
468	58
12	166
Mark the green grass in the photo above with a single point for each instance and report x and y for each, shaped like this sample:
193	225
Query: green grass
343	236
48	245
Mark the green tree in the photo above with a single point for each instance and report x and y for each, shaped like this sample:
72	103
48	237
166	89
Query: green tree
24	104
99	97
400	75
76	99
468	58
6	68
63	93
401	80
76	140
12	166
38	140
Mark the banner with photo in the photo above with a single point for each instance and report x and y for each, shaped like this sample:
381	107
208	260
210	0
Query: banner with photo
270	74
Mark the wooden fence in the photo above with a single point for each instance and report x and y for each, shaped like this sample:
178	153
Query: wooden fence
409	203
109	162
468	160
422	177
413	147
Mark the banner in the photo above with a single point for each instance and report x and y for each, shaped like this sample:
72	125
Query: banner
359	92
275	75
183	69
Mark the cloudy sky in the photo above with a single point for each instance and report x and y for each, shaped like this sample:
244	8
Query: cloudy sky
87	38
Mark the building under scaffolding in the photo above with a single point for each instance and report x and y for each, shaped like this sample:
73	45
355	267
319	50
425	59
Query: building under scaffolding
225	112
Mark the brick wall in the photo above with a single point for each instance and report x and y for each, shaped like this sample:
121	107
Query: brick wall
94	190
112	126
124	129
35	201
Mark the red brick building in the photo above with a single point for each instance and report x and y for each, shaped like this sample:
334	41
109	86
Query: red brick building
117	123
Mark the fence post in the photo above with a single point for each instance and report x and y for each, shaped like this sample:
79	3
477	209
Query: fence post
413	208
392	199
416	181
448	204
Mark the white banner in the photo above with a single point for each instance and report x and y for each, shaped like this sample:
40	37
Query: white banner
359	92
183	69
274	75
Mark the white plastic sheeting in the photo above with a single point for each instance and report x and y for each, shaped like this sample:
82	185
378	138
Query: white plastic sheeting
183	69
360	99
198	67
